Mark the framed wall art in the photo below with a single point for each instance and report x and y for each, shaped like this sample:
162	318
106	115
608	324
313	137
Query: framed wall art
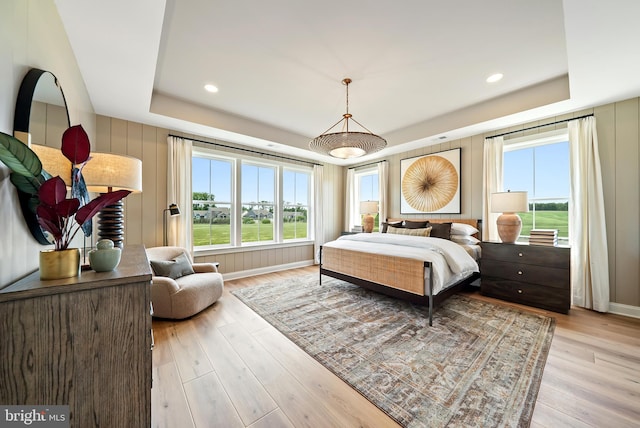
430	184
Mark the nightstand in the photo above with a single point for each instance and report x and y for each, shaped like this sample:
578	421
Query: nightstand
532	275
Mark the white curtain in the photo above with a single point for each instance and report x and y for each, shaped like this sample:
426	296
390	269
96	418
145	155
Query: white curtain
318	225
383	184
179	228
351	201
588	236
492	178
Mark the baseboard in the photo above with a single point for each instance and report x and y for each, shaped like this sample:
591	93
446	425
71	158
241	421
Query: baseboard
268	269
626	310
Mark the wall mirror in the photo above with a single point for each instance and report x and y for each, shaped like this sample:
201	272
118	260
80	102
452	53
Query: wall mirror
41	110
41	117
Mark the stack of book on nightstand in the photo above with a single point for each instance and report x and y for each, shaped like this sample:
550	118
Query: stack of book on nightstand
548	237
356	229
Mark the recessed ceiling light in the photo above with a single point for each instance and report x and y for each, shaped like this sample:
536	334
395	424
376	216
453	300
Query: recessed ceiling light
211	88
494	78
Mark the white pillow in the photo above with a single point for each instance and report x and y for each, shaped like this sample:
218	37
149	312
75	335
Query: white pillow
465	239
412	232
463	229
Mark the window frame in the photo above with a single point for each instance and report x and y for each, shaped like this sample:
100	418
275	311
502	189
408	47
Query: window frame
533	141
236	204
358	174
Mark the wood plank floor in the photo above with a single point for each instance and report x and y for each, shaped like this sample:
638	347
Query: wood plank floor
227	367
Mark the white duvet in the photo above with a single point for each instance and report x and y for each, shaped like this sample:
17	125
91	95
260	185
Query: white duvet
450	262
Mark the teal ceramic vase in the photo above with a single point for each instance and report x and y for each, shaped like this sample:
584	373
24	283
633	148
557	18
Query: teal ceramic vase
105	257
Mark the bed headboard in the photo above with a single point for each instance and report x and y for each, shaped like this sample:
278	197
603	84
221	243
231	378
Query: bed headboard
477	223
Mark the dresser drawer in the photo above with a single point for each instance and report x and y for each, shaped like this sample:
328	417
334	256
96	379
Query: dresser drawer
553	299
518	271
556	257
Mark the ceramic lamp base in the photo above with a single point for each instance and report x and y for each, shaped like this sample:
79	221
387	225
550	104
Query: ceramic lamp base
509	227
367	223
111	223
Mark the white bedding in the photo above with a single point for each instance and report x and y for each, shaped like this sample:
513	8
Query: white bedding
450	262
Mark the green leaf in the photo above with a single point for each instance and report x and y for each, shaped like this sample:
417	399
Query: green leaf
18	157
29	185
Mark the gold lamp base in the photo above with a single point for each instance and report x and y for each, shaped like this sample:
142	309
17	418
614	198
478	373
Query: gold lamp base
509	227
367	223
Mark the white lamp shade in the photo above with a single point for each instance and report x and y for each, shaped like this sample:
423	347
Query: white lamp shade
368	207
54	162
509	202
108	172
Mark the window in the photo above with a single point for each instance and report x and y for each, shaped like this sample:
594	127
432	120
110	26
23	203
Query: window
212	201
296	188
258	202
239	201
539	164
366	182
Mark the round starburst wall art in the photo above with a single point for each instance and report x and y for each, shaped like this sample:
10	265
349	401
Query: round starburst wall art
431	183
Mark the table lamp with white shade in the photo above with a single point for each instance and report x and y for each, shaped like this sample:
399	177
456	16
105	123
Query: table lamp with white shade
509	204
107	172
367	208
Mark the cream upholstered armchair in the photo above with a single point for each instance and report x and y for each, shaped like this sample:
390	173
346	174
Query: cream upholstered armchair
181	288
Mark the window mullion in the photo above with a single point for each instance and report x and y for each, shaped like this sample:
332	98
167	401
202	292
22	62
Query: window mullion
237	204
278	209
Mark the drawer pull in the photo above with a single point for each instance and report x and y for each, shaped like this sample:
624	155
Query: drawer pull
519	291
519	272
519	254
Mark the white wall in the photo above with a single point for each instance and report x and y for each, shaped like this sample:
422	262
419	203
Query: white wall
31	36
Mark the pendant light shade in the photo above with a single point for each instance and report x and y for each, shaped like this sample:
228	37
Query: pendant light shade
347	144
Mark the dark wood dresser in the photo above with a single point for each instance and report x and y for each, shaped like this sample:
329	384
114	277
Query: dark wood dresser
532	275
84	342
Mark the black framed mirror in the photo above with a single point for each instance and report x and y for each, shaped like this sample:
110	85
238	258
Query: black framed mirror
41	117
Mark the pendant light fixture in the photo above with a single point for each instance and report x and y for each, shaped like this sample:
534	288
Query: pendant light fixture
347	144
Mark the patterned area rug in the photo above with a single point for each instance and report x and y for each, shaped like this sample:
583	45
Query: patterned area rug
479	365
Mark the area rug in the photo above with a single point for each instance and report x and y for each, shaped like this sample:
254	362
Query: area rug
479	365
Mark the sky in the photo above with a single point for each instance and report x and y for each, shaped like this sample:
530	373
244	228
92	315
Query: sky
369	187
550	164
214	176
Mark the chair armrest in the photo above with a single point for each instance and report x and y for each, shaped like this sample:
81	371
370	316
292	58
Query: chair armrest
168	284
205	267
163	290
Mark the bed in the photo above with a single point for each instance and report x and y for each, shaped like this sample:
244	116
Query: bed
419	269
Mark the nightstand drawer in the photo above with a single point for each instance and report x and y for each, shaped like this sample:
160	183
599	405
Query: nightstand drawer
529	294
545	276
556	257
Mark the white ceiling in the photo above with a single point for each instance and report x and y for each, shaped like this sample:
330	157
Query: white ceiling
418	66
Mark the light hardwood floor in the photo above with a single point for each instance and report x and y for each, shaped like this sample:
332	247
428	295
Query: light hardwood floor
227	367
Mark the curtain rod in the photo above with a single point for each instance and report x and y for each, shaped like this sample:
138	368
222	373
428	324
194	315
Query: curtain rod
540	126
246	150
368	164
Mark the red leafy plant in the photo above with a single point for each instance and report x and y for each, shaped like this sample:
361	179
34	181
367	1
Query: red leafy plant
61	216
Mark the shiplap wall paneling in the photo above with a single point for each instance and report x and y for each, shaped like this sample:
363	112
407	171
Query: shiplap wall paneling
133	202
238	260
271	258
149	199
162	151
627	216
